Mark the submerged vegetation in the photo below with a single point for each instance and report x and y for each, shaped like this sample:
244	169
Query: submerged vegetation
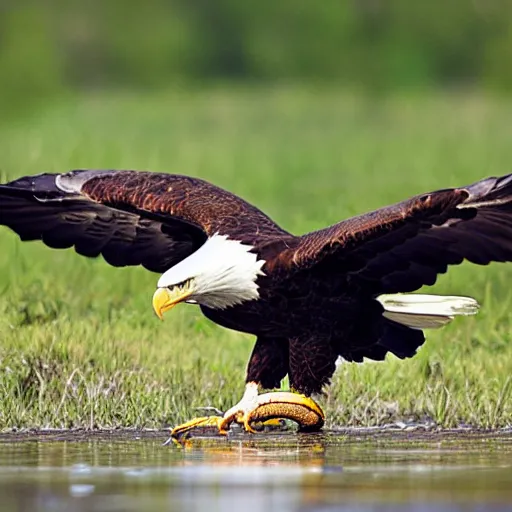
79	343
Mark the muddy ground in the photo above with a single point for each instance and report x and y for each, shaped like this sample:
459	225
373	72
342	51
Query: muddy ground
410	436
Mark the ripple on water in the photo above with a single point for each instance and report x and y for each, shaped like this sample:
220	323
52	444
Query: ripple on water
289	473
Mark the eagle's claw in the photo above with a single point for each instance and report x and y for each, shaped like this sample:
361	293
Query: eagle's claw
254	408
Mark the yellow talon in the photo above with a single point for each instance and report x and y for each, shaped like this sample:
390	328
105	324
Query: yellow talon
225	423
203	422
260	409
247	423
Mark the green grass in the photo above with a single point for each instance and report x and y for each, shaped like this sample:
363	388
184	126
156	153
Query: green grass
79	343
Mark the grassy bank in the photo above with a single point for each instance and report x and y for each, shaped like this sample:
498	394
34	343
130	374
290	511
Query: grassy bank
79	343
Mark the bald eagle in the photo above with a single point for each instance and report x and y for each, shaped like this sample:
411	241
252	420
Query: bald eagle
340	291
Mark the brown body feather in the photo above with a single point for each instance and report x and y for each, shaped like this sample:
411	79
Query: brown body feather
317	299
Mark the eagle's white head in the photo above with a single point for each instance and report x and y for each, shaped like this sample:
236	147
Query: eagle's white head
220	274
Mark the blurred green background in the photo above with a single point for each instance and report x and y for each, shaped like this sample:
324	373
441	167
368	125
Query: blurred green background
48	47
313	111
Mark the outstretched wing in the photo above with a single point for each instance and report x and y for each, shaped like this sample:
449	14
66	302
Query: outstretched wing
129	217
402	247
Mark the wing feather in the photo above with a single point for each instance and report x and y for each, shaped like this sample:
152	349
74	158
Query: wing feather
405	246
128	217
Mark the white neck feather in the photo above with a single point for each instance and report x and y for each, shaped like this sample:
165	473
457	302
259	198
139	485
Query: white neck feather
223	273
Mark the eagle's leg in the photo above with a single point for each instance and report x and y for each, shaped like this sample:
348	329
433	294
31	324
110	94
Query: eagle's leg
254	408
275	405
235	414
268	365
239	412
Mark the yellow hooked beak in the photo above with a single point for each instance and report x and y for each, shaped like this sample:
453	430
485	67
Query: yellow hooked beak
165	299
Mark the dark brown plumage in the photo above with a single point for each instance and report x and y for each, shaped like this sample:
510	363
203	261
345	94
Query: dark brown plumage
318	295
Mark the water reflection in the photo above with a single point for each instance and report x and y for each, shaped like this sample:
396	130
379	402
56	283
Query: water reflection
246	473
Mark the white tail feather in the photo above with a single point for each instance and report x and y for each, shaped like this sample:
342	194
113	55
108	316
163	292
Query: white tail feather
426	311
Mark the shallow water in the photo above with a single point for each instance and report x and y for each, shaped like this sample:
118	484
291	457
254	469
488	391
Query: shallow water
349	471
